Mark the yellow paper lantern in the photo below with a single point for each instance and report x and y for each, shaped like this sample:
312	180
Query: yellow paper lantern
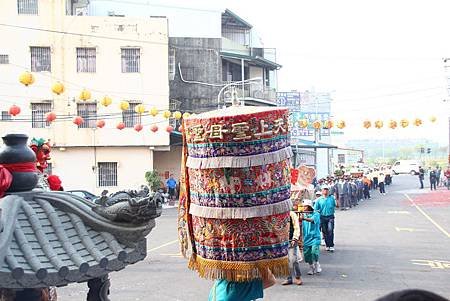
85	95
26	78
367	124
58	88
140	109
124	105
186	114
106	101
303	123
167	114
392	124
404	123
417	122
433	119
328	124
317	124
177	115
341	124
379	124
154	111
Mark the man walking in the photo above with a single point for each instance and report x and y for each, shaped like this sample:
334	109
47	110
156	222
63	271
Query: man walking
347	187
294	265
325	206
438	175
421	176
433	179
171	187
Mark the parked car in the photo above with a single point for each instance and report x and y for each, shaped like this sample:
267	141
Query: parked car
84	194
406	166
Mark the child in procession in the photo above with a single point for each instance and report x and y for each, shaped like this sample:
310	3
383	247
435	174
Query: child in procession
311	236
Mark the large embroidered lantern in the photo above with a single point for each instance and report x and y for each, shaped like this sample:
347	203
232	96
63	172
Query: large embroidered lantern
235	193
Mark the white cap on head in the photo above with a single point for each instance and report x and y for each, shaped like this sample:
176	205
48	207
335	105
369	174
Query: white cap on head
307	202
318	192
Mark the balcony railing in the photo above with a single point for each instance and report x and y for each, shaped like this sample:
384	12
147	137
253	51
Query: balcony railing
253	91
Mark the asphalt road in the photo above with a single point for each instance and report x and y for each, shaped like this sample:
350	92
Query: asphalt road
395	241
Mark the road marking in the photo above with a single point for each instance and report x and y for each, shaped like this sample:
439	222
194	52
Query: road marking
163	245
434	264
427	216
175	255
409	229
399	212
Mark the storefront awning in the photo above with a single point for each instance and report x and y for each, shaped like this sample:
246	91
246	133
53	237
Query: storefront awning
302	143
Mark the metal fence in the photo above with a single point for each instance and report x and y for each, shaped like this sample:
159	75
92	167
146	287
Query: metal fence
131	60
107	174
38	112
40	59
27	7
86	60
88	111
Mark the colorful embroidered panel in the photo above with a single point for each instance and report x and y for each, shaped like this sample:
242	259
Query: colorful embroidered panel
235	200
242	239
239	180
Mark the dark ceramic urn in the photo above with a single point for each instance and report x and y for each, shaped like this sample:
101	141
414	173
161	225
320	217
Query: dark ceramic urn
16	150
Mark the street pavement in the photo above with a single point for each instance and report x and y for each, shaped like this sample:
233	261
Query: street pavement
392	242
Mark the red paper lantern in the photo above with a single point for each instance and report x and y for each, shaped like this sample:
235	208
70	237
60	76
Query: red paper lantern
78	120
100	123
120	126
138	127
50	117
154	128
14	110
169	129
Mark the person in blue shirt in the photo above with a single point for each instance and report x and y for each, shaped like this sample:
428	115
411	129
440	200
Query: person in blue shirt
171	186
325	206
311	236
224	290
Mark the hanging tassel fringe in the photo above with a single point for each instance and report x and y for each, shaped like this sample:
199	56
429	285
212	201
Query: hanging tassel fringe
240	213
239	271
240	162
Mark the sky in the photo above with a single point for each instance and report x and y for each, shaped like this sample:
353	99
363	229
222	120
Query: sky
380	59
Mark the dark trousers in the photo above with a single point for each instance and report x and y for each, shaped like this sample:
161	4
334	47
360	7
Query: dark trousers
375	182
433	185
421	182
366	193
381	185
327	225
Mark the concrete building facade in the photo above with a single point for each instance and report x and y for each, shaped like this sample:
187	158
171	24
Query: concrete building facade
122	58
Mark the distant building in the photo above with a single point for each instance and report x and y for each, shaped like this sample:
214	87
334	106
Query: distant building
311	147
208	50
124	58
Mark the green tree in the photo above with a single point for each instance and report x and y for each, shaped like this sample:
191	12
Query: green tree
153	180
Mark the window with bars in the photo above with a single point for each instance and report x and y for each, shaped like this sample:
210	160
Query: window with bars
172	64
129	117
6	115
107	174
38	112
131	60
88	111
4	59
27	7
87	60
40	59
